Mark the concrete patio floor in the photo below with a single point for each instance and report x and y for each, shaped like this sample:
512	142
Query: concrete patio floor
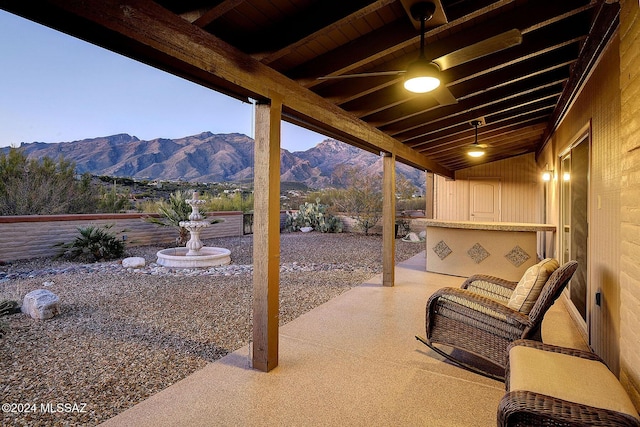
352	361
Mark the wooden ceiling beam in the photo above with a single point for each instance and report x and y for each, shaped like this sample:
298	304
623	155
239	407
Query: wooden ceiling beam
385	42
465	161
149	31
605	25
542	113
375	45
535	43
288	28
552	65
543	97
527	140
440	41
493	139
505	127
524	144
424	110
268	58
216	12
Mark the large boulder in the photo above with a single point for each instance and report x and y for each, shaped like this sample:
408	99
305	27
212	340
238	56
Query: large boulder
41	304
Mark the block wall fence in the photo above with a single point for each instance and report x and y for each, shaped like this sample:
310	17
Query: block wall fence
35	236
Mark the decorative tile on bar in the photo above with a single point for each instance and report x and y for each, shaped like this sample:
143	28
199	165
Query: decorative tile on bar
517	256
442	250
477	253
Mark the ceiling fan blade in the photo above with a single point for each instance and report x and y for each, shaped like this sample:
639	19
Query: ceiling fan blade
372	74
443	96
480	49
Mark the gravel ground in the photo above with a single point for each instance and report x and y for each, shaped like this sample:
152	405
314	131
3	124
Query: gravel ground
123	335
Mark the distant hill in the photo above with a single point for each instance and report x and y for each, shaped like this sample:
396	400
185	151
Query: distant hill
206	157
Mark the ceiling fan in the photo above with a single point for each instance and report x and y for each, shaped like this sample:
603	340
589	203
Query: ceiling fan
422	75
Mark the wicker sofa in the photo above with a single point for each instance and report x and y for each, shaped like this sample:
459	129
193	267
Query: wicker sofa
478	319
555	386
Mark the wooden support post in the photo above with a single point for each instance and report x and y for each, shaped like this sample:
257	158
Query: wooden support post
388	218
429	195
266	236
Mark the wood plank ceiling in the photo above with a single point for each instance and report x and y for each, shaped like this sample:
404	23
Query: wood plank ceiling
519	93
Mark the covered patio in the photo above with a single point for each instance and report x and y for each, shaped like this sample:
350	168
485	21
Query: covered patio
352	361
550	84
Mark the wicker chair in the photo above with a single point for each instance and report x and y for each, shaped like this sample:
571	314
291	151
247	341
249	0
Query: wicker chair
476	319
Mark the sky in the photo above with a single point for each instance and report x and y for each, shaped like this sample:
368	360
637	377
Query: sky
56	88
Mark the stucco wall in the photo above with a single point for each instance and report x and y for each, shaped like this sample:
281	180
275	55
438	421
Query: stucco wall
608	108
596	112
630	199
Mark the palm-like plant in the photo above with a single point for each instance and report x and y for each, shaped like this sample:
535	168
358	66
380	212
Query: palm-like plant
173	213
94	243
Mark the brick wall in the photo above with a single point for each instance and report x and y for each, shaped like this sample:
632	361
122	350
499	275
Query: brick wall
630	199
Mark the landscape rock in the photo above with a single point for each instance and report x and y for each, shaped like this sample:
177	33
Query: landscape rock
41	304
413	237
133	262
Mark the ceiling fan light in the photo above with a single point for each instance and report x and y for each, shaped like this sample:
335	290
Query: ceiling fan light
476	152
422	76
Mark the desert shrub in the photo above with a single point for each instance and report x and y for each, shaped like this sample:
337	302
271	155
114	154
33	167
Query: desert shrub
361	196
114	201
42	187
239	201
313	215
93	244
147	206
412	204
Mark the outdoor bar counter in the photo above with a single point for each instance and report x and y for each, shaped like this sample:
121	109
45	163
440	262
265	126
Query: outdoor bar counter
463	248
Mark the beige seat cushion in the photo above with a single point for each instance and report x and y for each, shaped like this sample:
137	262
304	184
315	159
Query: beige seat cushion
528	290
574	379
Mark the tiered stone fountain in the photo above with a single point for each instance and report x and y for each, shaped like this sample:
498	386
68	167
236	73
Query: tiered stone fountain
195	254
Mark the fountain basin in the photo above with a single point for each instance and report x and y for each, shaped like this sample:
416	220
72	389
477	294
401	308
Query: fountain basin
207	257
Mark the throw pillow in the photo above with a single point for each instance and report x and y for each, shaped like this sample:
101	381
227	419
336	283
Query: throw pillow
528	290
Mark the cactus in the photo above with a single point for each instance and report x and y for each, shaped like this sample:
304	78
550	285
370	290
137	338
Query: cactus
313	215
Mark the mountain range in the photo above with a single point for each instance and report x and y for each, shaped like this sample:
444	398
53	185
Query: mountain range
206	157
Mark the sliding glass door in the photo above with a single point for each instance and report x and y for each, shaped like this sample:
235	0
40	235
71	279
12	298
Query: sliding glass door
574	193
